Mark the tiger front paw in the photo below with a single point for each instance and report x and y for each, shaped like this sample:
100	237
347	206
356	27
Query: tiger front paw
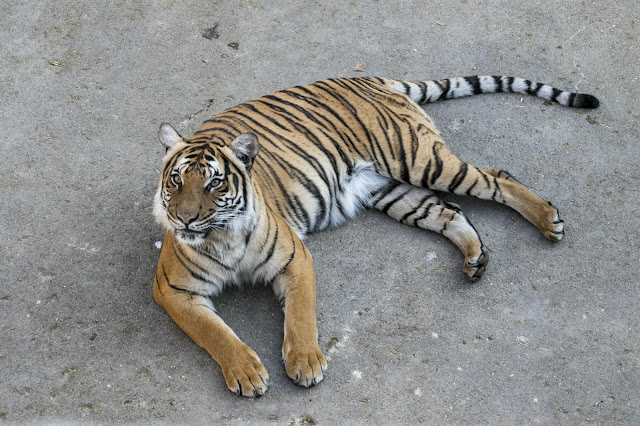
244	373
305	364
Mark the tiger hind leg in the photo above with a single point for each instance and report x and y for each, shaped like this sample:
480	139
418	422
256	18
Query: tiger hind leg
451	174
538	211
420	207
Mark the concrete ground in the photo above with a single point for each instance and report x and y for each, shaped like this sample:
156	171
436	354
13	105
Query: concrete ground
550	335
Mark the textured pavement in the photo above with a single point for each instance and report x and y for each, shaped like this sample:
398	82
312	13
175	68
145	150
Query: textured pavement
550	335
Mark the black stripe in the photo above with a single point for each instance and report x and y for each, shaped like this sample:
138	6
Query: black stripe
486	179
572	98
424	214
268	217
497	79
157	282
438	171
528	88
366	85
217	261
184	259
176	288
458	178
444	228
384	191
390	144
474	81
423	96
468	192
216	120
415	144
271	249
390	204
420	204
444	88
286	265
425	177
496	189
399	144
536	90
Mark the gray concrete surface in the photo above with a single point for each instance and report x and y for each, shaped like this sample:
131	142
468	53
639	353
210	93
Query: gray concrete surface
551	333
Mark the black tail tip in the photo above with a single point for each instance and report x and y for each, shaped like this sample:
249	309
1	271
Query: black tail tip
586	101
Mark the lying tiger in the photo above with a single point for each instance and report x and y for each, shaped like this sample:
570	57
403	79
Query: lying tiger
237	198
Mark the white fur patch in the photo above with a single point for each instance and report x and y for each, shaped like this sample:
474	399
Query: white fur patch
545	92
459	88
519	85
399	87
487	84
563	98
357	189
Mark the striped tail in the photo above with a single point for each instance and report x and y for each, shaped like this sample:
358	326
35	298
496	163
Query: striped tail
434	90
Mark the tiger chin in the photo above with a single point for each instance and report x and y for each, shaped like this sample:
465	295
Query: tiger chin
237	198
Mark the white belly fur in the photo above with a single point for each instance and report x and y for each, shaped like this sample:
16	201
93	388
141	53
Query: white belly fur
357	189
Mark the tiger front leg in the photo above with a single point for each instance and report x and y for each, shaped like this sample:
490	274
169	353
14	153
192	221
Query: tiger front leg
296	288
243	372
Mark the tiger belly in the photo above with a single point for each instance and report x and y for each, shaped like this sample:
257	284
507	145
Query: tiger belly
355	192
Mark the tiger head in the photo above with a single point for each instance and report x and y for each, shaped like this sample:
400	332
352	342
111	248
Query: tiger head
204	187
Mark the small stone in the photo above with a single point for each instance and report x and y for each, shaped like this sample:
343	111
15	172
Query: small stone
211	33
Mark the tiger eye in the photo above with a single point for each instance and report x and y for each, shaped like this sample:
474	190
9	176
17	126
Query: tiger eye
214	184
176	179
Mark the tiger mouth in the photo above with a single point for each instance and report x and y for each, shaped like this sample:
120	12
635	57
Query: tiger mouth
190	233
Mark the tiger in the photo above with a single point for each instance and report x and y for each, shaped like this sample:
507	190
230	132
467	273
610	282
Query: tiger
237	198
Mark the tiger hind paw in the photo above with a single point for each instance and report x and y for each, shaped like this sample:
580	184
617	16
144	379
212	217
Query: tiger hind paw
475	266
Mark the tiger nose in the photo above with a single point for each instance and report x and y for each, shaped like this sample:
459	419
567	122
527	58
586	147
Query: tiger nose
187	218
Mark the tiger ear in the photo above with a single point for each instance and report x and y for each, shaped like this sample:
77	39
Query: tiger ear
246	147
168	136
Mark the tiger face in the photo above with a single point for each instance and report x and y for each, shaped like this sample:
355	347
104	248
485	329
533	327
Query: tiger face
204	187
